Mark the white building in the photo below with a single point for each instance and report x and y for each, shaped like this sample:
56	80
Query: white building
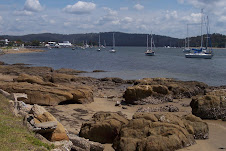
65	44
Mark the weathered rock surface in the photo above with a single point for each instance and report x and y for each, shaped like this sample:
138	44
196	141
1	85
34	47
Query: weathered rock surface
29	78
103	127
166	108
158	132
147	94
210	106
49	95
19	69
83	144
46	124
148	91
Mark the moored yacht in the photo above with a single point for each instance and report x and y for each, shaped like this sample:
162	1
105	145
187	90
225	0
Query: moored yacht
207	52
149	52
112	50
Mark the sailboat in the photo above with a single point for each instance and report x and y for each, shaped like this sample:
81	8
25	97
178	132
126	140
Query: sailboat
99	44
150	52
104	46
187	47
113	47
202	52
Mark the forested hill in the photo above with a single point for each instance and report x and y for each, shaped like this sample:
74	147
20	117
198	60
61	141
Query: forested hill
121	39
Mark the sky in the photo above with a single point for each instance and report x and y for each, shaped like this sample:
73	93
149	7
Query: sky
161	17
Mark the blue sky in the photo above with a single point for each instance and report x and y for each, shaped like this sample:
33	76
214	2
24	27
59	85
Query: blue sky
163	17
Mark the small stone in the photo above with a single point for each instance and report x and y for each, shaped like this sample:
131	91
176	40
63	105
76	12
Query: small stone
124	107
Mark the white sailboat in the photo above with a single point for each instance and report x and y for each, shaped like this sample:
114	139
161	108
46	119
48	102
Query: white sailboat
99	44
113	47
104	46
202	52
186	43
150	52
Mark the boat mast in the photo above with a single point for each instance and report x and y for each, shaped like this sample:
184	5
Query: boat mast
113	40
188	37
151	41
147	41
201	27
99	41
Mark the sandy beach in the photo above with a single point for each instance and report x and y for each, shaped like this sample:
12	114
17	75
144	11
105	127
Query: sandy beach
72	117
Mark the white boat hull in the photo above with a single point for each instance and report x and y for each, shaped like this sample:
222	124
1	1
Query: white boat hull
149	53
112	50
199	55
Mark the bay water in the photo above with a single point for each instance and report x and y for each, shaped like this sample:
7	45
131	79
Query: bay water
130	63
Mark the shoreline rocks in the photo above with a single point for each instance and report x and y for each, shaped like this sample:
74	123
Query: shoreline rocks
158	132
210	106
160	90
103	127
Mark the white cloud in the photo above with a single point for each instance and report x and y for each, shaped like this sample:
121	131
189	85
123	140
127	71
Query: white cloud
32	6
138	7
171	14
80	8
124	8
22	13
180	1
51	21
110	18
110	11
67	23
127	19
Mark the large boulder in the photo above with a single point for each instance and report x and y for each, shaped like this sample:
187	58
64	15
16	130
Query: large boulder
103	127
140	94
210	106
158	132
50	95
43	120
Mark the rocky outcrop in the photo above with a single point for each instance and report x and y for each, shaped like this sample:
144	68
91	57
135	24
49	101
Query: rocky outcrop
49	95
210	106
157	132
19	69
149	91
147	94
59	78
103	127
29	78
41	121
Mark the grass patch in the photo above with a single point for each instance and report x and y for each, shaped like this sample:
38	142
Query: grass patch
13	135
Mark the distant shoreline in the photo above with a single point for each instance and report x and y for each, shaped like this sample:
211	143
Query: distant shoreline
19	50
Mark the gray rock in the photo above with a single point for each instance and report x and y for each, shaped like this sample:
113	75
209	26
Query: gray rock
37	110
19	96
82	144
63	146
45	127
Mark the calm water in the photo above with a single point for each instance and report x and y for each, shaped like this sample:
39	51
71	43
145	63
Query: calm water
130	63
